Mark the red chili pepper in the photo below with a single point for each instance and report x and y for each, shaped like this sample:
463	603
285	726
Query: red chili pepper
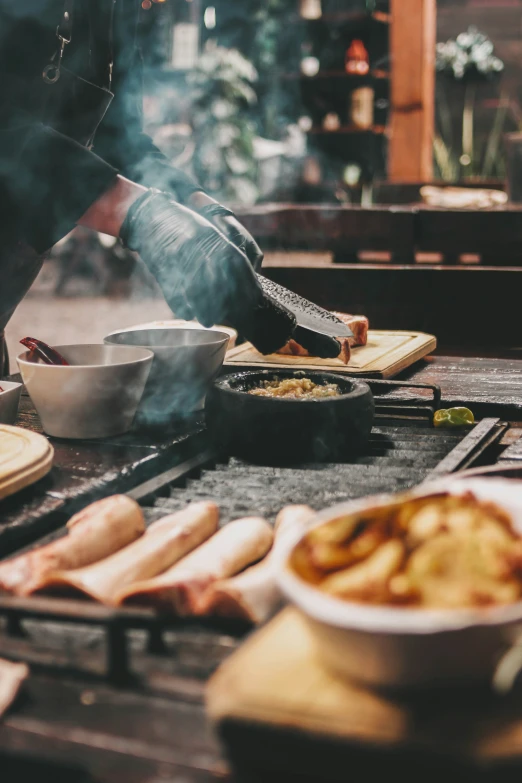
45	352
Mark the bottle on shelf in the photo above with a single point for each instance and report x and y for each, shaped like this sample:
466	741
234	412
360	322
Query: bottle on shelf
331	122
310	9
356	59
361	108
310	66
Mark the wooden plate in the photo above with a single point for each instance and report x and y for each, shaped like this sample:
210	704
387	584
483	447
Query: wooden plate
25	457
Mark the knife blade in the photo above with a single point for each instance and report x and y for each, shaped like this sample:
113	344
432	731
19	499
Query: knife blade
315	326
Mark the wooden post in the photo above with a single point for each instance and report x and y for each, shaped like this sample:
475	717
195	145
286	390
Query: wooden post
412	44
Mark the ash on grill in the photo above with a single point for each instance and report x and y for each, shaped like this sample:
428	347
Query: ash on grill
397	458
403	451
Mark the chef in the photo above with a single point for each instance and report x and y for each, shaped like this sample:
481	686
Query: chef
72	151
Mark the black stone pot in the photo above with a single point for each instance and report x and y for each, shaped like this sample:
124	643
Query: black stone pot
274	430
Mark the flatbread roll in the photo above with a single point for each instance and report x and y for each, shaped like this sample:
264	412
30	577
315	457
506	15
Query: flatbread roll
94	533
253	594
180	589
165	542
12	676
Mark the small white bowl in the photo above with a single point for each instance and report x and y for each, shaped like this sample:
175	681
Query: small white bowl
179	323
396	647
9	401
96	396
186	362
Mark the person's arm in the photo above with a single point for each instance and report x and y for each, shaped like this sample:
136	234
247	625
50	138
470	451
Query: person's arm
47	183
108	212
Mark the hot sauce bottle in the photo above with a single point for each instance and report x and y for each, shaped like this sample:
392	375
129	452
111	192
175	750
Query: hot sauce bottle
356	59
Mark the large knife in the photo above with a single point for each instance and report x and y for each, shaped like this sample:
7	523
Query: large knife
315	326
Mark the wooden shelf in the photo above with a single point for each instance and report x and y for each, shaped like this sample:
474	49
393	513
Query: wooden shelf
377	130
348	16
338	74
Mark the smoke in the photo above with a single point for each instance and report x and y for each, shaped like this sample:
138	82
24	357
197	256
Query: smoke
186	361
47	177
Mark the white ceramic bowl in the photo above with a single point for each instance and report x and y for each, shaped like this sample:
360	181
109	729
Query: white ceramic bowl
9	401
95	397
397	647
186	362
179	323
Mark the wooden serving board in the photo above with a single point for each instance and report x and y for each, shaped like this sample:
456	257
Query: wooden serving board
384	356
25	457
275	706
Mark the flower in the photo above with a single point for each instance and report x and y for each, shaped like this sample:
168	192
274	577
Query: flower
469	57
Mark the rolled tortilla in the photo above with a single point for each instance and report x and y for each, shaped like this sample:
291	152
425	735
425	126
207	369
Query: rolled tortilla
94	533
165	542
179	589
12	676
253	594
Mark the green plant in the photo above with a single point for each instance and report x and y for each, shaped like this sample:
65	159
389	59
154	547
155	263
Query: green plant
275	48
468	60
222	94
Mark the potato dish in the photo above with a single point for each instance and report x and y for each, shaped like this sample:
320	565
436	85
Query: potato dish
437	551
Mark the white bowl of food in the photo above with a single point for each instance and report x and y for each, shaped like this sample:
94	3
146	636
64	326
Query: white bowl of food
9	401
413	590
95	396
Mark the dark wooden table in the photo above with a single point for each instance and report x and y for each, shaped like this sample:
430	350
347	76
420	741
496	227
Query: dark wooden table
86	470
493	235
489	386
86	729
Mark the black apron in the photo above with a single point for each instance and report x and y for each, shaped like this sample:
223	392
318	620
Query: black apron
72	106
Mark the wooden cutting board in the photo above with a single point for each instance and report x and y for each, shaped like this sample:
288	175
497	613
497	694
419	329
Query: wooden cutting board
25	457
274	705
386	354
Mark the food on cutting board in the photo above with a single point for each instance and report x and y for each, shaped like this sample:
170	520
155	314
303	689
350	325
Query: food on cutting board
253	594
164	543
94	533
181	588
357	323
296	389
439	551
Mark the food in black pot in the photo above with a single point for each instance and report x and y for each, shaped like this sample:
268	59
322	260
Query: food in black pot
296	389
302	426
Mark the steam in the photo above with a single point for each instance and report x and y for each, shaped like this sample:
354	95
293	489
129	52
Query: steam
184	366
44	175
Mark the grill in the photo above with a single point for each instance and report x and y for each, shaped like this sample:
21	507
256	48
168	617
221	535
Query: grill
404	450
397	458
120	677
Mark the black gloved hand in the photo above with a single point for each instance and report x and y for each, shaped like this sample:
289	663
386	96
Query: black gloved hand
201	273
225	220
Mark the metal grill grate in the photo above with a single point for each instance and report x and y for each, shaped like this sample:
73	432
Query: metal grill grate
397	458
399	455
